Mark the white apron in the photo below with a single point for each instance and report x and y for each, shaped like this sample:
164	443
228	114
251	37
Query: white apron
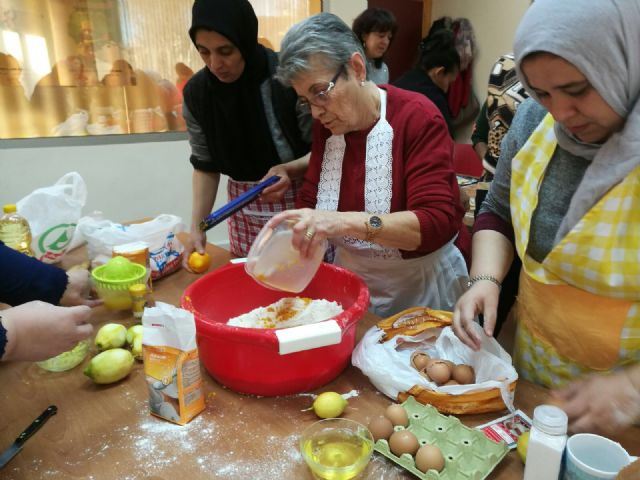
435	280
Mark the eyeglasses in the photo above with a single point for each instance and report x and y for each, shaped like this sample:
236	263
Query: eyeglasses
322	97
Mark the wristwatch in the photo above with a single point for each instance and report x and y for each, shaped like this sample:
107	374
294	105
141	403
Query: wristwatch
374	227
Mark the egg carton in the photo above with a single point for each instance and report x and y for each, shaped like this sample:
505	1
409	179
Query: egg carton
468	453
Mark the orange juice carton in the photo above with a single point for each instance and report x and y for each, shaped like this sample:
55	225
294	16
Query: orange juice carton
137	252
171	363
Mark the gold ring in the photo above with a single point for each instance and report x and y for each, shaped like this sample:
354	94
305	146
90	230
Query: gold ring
309	234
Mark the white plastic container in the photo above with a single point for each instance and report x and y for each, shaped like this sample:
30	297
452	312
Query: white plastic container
276	264
547	441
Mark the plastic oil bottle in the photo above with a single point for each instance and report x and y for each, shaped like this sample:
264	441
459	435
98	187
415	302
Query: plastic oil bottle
547	440
15	231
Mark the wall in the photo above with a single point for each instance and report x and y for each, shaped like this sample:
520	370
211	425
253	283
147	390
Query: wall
125	181
494	23
347	10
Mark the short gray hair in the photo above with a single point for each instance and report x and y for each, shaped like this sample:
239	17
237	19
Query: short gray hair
322	37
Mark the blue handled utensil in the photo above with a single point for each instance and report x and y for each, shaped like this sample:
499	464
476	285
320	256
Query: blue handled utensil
236	204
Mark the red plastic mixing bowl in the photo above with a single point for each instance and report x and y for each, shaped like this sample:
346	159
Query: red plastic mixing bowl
248	360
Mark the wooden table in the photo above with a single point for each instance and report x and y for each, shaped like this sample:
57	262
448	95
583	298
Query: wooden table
106	432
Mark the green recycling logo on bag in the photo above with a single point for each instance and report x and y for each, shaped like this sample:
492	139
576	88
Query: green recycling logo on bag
53	242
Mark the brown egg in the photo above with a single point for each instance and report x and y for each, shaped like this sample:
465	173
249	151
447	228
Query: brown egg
403	441
439	372
429	457
431	361
380	427
419	360
451	382
463	374
397	414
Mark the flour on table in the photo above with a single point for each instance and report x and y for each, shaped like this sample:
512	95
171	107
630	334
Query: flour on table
150	447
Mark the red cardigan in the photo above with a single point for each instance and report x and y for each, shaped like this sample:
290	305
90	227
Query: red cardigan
422	169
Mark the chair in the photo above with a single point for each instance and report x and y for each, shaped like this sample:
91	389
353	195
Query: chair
466	160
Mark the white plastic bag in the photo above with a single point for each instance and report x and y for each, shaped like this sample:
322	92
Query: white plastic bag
165	250
53	213
388	364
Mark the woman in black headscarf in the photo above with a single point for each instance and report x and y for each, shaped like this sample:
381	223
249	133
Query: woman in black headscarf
437	68
241	123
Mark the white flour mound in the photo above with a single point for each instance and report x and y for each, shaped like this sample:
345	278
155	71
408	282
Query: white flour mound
288	312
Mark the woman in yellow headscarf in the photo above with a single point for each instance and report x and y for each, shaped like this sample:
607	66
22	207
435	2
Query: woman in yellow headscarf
569	201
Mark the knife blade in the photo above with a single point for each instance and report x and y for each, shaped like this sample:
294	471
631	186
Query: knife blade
17	445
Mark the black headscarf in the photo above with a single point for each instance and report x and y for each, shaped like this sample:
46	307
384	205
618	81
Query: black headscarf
235	126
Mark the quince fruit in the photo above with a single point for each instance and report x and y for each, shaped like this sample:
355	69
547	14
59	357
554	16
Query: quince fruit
133	332
136	348
110	366
111	335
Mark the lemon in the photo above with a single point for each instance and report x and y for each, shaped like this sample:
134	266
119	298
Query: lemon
329	405
523	444
133	332
199	263
111	335
110	366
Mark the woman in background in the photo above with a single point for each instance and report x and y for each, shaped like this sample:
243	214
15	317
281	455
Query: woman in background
376	27
437	68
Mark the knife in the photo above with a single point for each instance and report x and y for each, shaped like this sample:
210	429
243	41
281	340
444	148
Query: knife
236	204
17	445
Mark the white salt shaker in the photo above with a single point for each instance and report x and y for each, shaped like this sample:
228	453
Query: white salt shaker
547	440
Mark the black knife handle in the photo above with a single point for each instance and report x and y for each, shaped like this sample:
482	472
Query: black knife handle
37	423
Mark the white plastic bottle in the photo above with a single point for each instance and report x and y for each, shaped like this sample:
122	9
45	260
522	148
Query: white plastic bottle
15	231
547	440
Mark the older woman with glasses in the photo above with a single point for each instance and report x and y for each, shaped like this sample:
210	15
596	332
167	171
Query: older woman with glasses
380	184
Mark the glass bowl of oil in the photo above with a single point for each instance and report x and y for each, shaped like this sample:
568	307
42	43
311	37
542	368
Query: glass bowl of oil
336	448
